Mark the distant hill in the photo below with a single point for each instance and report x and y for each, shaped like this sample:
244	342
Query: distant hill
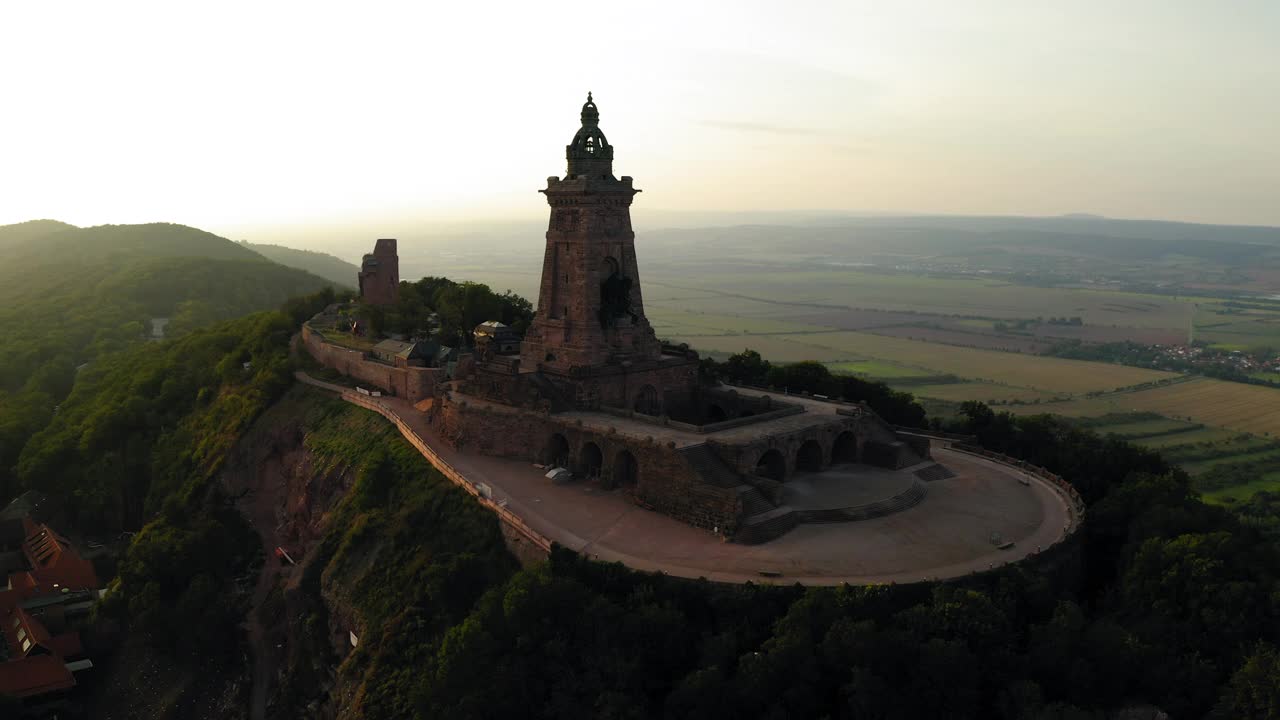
68	294
12	235
339	271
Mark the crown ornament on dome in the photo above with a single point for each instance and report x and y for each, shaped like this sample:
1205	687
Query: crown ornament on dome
590	113
590	154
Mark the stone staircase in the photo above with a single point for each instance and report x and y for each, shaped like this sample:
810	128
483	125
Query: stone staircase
762	520
766	526
708	465
753	503
768	487
935	472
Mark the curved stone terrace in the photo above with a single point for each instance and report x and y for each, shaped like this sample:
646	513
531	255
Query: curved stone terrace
957	529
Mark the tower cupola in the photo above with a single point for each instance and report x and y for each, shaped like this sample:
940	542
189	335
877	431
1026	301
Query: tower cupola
590	154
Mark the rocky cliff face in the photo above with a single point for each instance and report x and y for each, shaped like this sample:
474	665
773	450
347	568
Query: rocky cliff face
288	493
380	539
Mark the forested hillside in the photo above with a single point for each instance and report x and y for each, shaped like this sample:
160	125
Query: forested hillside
333	269
68	295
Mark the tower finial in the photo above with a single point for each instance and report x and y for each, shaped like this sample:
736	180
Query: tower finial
588	96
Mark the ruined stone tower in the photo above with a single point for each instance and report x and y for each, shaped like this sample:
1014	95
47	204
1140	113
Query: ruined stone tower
380	274
590	310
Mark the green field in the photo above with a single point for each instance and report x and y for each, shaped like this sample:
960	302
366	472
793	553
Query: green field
877	369
1270	457
985	392
1233	329
1248	408
1196	448
775	348
1161	427
1267	483
953	296
689	324
1205	435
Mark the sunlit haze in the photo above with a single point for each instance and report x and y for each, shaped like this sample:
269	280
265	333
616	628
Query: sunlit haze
235	116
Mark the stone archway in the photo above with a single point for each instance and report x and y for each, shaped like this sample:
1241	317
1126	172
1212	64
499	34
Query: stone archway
647	402
845	448
557	452
626	471
772	465
809	456
591	460
715	414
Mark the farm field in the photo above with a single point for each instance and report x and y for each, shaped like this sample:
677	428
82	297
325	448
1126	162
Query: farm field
1234	329
988	341
1267	483
1158	427
775	348
1030	371
1199	449
1205	435
1247	408
694	323
877	369
1052	375
963	391
954	296
1271	457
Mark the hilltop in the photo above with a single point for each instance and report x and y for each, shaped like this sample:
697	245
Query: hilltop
327	266
70	295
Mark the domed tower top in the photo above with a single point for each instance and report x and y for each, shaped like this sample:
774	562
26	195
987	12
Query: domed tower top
590	154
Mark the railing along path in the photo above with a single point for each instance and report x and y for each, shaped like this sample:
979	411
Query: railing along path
445	468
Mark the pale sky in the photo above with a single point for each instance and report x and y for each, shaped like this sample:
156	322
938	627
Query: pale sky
233	115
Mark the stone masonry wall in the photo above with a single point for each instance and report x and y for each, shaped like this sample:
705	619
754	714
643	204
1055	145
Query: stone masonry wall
411	383
665	482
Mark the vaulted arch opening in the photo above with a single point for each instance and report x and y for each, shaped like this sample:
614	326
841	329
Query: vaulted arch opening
809	456
647	401
557	451
845	449
715	414
591	460
772	465
626	472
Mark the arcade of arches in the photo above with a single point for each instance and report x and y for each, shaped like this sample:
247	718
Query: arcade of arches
624	471
809	457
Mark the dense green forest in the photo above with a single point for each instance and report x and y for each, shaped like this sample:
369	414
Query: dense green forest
70	295
340	272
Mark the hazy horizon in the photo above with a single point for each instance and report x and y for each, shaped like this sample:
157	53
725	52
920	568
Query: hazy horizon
296	120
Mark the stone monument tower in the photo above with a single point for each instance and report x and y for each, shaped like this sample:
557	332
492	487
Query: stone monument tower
379	275
590	311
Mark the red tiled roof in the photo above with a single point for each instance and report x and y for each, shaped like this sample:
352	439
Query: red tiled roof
67	645
53	560
35	675
37	663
